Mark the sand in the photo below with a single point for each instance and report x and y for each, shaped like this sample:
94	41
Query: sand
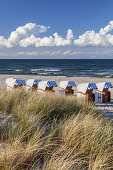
106	108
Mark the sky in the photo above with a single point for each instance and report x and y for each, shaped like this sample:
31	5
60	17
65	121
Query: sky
56	29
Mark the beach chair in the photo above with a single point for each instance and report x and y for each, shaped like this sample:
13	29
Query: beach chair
32	84
12	83
46	86
65	87
102	95
85	90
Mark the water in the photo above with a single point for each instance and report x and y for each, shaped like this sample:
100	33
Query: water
68	68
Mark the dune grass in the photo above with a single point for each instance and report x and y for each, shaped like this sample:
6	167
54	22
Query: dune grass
51	132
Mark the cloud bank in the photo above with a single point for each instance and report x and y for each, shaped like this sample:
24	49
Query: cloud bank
47	53
21	33
54	40
91	38
57	53
28	36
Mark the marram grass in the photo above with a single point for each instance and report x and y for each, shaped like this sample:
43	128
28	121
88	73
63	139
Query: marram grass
51	132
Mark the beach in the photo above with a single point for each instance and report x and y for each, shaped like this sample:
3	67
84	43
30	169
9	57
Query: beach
106	108
56	85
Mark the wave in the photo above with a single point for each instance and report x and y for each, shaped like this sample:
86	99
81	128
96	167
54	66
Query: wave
43	73
103	74
72	69
45	70
52	70
36	70
19	70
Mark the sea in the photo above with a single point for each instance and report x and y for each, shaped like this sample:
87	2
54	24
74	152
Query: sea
58	67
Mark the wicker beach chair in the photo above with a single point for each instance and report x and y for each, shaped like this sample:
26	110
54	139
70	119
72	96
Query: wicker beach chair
103	94
32	84
46	86
12	83
85	90
65	87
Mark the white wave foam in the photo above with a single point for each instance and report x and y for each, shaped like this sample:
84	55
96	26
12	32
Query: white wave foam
45	70
19	70
52	70
36	70
43	73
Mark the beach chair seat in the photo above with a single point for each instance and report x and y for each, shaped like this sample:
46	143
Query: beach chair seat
102	95
65	87
32	84
46	86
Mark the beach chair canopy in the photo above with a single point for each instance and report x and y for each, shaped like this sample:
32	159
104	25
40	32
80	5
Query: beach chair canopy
64	84
31	82
103	85
43	84
86	86
92	86
14	81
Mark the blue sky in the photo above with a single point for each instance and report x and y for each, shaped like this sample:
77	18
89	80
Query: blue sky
56	29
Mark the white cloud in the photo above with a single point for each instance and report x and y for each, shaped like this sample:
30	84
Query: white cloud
59	41
3	42
54	40
106	29
28	35
21	33
46	53
25	31
62	53
91	38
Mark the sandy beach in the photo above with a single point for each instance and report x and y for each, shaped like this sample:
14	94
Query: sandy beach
106	108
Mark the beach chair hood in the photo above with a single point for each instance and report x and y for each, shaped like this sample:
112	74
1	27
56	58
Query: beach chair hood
82	87
30	82
64	84
92	86
108	85
20	82
43	84
103	85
